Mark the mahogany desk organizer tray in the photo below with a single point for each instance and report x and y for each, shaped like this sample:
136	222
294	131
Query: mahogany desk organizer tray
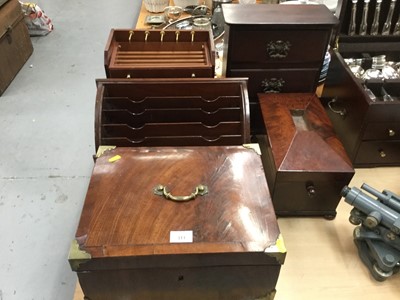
305	163
15	43
280	48
159	54
363	71
172	112
178	223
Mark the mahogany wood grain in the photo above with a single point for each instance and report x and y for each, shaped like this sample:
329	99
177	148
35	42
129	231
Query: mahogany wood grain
126	227
314	149
305	163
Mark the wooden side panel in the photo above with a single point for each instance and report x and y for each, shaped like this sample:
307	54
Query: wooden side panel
15	43
223	283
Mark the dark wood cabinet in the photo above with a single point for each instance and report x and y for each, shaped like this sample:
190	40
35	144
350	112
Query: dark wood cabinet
178	223
280	48
305	163
368	127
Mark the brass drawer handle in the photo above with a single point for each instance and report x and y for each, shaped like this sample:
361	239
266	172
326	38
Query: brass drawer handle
272	85
311	191
162	191
382	153
278	49
340	111
391	132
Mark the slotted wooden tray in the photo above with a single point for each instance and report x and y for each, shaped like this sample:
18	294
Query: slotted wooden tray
172	112
159	54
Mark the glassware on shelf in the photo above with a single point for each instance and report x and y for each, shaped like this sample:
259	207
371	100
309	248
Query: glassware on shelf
375	23
352	26
364	24
388	23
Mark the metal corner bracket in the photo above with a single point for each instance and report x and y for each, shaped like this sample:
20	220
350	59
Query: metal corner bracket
77	256
102	149
253	146
277	250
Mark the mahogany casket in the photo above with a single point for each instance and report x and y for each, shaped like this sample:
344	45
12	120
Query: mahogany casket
178	223
305	163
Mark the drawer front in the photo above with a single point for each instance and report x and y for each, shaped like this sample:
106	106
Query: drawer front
382	131
307	197
283	47
162	73
282	80
378	153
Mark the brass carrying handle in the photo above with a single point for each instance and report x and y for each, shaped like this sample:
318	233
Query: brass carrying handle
162	191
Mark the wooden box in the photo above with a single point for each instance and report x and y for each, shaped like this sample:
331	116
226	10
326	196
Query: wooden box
369	128
280	48
15	43
172	112
159	54
178	223
305	163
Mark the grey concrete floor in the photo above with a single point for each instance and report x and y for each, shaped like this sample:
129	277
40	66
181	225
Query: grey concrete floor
47	143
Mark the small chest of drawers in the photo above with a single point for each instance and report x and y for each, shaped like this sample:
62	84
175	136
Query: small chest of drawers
280	48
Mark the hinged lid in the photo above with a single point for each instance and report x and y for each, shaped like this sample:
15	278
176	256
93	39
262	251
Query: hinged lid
279	15
301	135
124	215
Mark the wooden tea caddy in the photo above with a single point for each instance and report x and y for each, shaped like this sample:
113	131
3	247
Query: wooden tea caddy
305	162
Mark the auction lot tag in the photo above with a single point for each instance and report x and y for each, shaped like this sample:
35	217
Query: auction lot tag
185	236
